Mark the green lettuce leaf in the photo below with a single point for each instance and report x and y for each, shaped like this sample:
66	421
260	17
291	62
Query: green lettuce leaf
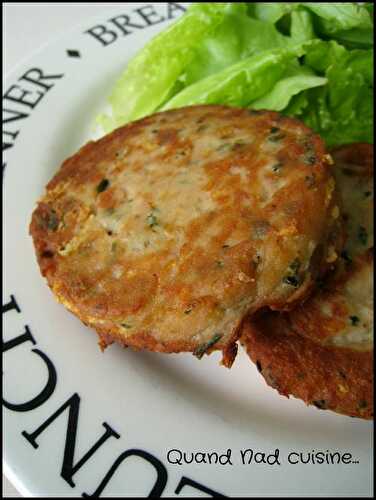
294	82
236	38
301	28
310	60
356	38
271	12
342	111
239	84
351	24
320	55
369	7
151	76
336	17
297	105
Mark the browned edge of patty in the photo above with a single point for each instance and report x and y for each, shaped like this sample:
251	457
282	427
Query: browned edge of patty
328	377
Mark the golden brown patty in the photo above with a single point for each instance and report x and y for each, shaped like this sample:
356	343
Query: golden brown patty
322	352
164	233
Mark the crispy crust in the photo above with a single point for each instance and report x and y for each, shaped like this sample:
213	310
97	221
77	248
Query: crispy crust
163	234
330	378
322	351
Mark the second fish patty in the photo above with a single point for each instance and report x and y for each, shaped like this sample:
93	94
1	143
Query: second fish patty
322	351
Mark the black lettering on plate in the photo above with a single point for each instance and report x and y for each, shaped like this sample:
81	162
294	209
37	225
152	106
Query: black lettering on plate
161	470
17	94
149	14
172	8
6	144
45	393
69	469
123	22
12	304
36	76
102	34
185	481
24	337
29	98
14	115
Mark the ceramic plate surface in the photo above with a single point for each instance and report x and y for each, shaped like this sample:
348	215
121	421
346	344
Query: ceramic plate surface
124	423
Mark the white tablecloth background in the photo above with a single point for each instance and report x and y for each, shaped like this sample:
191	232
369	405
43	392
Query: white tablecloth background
26	27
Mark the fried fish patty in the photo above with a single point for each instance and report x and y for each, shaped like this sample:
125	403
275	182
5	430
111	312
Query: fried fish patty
164	233
322	352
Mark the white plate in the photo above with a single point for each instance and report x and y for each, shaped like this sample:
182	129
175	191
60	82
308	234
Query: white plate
151	403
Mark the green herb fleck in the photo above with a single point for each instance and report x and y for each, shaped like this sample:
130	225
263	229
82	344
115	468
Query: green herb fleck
309	158
202	127
295	265
151	220
126	325
224	147
203	348
320	283
103	185
275	137
114	246
277	167
256	261
321	404
310	180
52	221
346	257
292	278
354	320
362	404
219	263
187	311
238	145
362	235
